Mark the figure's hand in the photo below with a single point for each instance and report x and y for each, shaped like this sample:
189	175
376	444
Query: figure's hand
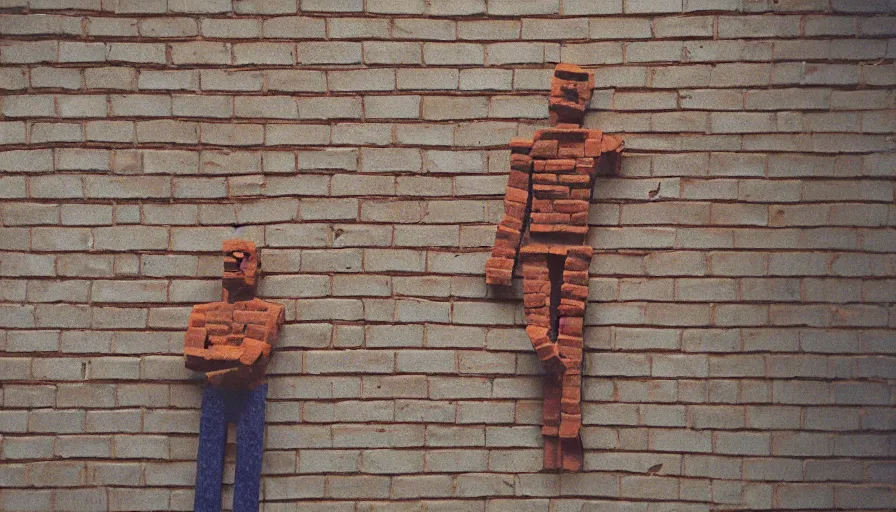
499	271
253	350
216	358
249	370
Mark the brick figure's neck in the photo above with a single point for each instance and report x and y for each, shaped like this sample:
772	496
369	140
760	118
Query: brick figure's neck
233	296
566	126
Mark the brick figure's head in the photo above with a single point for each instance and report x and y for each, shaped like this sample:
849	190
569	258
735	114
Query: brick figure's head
241	269
570	95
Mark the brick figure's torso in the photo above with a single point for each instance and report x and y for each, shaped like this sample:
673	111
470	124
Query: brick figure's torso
224	336
563	165
229	324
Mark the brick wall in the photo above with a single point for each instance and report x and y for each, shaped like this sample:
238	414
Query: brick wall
740	340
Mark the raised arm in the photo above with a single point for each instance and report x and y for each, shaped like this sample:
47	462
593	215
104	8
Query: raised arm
517	204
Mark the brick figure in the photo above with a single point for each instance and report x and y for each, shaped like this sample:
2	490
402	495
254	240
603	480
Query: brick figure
545	227
231	342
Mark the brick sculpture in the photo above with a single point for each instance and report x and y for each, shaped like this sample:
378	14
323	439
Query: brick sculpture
545	227
231	342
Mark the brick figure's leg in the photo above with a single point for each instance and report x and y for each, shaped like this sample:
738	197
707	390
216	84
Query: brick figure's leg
249	451
210	458
551	421
537	301
574	294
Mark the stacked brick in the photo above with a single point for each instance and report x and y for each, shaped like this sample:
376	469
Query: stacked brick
231	340
546	210
234	332
738	331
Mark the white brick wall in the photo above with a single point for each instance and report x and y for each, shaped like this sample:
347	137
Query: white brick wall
741	327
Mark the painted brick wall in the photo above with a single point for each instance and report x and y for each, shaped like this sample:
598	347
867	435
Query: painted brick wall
742	330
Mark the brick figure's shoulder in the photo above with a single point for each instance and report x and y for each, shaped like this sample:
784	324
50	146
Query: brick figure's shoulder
521	145
259	309
211	306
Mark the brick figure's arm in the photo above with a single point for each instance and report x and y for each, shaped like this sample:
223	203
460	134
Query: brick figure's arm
517	204
201	352
263	321
276	317
608	149
195	353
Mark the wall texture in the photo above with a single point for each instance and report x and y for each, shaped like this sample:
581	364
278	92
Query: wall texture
742	329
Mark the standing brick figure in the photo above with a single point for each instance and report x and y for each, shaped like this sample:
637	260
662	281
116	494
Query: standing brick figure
545	226
231	342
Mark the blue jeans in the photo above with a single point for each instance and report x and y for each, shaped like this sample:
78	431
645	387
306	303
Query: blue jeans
245	408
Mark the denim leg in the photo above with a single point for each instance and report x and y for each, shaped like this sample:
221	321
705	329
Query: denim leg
210	459
249	449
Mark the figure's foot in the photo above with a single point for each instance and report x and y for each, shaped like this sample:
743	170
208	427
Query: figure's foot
549	355
553	458
572	456
555	364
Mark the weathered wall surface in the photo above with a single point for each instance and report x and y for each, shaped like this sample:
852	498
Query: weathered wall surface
741	331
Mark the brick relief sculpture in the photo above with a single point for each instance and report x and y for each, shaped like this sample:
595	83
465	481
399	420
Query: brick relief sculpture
231	342
545	227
